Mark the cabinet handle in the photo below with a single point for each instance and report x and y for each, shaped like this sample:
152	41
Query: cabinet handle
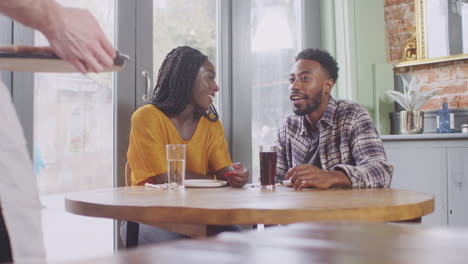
148	91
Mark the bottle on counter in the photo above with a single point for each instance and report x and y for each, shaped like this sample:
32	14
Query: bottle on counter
445	118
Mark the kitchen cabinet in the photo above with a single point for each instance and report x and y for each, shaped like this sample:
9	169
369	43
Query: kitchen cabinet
437	164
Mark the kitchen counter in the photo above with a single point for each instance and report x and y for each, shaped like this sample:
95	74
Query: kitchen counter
424	136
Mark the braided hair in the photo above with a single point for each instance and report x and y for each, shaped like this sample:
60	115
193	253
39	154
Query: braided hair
176	79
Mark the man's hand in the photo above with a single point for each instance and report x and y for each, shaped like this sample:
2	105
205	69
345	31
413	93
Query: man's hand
307	175
238	176
78	39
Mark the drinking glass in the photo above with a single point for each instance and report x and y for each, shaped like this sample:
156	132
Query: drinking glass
267	166
175	154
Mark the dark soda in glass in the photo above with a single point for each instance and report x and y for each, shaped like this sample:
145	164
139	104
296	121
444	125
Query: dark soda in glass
267	165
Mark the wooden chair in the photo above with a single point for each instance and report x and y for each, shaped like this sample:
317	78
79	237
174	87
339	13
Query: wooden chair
417	220
5	246
132	227
128	173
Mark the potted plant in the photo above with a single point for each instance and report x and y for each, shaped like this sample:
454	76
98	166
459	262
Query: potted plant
412	99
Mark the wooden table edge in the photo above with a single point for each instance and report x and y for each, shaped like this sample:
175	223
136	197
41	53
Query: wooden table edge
202	216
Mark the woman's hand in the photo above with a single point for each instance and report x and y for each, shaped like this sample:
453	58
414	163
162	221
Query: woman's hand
237	175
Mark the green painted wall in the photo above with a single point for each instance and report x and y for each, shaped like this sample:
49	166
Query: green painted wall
374	75
371	74
327	23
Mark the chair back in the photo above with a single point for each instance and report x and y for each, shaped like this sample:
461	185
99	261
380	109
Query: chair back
128	173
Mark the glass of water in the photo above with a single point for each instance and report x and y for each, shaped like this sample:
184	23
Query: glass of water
175	154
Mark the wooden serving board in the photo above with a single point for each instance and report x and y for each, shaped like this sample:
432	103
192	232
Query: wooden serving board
42	59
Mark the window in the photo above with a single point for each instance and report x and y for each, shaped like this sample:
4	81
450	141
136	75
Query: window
73	147
183	23
274	32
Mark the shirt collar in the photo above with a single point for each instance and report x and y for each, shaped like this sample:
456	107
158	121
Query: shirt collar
329	112
327	116
302	128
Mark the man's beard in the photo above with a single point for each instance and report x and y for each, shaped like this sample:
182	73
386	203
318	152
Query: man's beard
310	107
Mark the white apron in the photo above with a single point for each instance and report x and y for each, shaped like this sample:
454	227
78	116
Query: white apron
19	197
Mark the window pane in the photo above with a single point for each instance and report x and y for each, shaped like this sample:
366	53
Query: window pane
274	35
73	148
183	23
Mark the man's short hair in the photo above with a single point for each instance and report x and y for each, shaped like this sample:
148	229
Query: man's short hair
322	57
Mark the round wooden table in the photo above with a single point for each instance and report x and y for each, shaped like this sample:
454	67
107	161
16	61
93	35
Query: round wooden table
250	205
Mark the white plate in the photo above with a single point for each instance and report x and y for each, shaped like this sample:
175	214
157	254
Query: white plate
287	183
204	183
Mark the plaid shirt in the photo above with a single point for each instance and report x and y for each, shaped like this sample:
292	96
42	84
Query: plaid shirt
348	142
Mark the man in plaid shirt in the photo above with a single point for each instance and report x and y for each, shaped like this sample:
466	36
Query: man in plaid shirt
328	142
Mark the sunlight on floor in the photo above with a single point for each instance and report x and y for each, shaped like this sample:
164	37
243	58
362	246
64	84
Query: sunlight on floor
72	237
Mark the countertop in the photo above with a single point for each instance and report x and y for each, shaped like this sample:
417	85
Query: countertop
425	136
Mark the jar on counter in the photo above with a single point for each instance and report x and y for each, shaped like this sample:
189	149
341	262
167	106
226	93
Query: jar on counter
464	128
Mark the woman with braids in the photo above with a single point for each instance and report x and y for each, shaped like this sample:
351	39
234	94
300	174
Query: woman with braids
181	112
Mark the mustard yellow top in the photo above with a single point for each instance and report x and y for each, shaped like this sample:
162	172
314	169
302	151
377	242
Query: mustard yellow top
206	152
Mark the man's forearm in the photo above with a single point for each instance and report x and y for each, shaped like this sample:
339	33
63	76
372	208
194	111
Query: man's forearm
42	15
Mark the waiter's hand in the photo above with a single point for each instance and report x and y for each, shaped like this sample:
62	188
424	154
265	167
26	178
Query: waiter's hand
307	175
76	37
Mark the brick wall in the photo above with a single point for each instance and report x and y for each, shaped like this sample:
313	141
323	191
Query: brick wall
452	77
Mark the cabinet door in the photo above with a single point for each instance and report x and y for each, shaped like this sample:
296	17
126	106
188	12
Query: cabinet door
422	170
457	186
